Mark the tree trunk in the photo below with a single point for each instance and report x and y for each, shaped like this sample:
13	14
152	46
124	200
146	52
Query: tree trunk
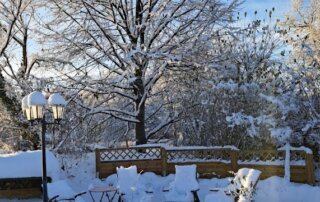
140	107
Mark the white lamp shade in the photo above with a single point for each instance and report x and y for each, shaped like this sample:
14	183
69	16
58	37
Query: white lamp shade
37	102
57	103
58	112
37	112
28	113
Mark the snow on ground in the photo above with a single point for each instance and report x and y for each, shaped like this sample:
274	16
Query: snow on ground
79	173
277	189
3	151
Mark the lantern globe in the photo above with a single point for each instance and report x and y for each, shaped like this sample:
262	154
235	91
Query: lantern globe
57	103
24	105
29	114
37	103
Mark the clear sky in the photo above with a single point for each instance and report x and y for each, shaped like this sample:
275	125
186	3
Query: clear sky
281	8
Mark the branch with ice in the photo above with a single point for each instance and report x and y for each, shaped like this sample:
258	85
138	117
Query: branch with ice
166	121
280	102
9	30
240	119
281	134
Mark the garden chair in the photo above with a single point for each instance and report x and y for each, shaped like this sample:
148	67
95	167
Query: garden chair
129	188
185	185
241	188
61	191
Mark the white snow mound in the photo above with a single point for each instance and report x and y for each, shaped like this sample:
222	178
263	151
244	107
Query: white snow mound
28	164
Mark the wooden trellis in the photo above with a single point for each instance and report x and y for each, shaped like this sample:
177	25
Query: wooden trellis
211	162
263	155
21	187
130	154
198	155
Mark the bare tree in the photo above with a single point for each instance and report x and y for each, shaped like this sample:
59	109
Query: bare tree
15	64
301	32
10	12
119	49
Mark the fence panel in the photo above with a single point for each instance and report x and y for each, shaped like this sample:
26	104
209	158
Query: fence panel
146	159
210	162
218	162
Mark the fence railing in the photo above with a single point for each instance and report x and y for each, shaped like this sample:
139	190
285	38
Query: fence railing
210	161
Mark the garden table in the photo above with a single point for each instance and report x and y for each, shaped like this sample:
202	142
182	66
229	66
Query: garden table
103	190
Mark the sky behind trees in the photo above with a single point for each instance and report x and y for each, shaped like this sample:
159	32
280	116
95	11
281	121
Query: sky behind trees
281	7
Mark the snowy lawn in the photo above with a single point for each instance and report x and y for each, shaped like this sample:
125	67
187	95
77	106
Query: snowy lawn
80	175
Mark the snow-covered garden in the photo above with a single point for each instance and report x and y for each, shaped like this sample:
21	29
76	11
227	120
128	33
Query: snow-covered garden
79	176
226	85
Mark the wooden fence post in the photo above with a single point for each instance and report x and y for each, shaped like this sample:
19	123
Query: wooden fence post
164	161
97	163
310	169
234	160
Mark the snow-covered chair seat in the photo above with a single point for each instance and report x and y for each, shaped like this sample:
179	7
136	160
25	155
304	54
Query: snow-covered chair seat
129	188
61	191
241	188
185	185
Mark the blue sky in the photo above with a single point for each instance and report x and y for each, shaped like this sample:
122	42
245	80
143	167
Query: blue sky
281	7
250	6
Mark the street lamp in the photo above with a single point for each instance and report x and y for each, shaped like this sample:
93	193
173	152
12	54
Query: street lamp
33	107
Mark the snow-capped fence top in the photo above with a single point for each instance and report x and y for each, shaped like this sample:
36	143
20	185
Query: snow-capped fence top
217	161
167	147
302	148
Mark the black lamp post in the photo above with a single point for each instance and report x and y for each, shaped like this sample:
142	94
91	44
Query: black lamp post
33	107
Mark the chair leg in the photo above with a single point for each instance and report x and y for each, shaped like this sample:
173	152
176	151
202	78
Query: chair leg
120	199
195	196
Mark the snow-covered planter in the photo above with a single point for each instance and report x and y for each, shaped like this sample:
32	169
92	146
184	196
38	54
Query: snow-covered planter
28	164
21	174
